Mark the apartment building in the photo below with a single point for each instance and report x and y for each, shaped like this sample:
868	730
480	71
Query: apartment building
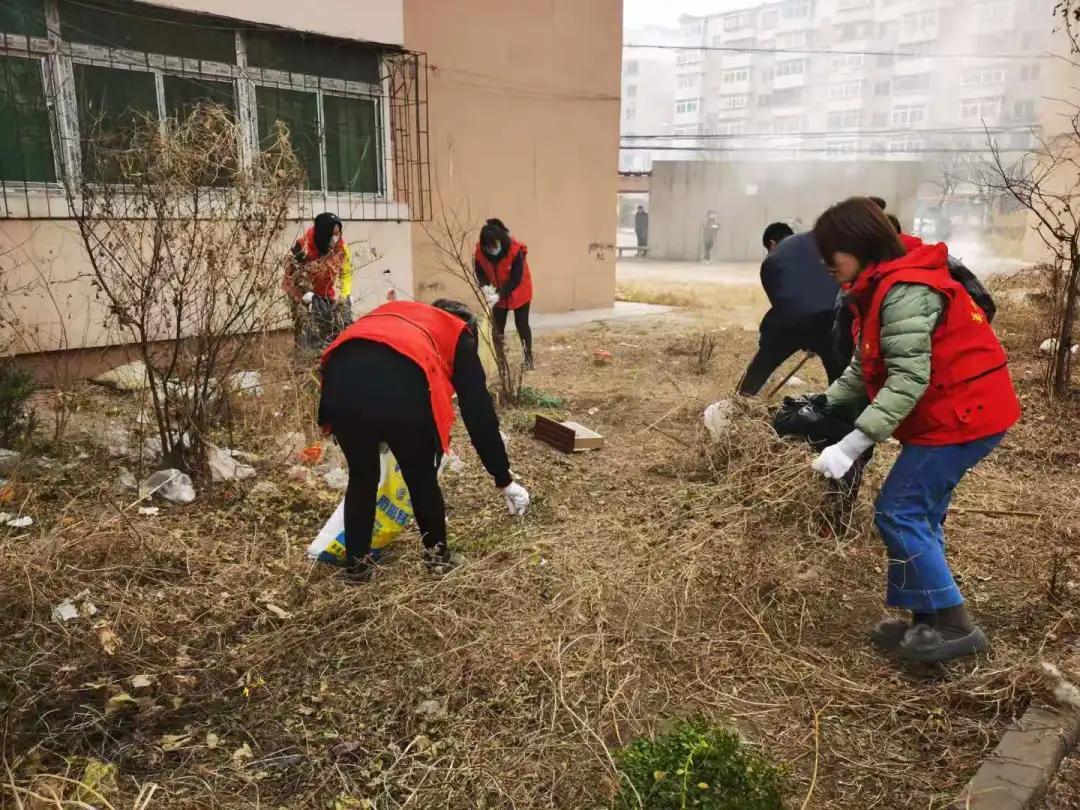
850	79
648	93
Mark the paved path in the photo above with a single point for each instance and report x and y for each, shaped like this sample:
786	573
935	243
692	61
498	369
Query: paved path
622	312
730	273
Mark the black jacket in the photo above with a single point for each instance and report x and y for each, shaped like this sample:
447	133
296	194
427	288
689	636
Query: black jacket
364	380
797	283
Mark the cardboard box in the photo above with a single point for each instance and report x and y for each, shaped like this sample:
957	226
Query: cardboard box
570	437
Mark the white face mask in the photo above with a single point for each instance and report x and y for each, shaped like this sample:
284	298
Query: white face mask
493	250
334	240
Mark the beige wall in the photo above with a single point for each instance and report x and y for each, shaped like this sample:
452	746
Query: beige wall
54	302
524	120
1055	110
370	20
748	196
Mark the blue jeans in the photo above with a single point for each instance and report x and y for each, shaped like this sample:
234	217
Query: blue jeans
909	514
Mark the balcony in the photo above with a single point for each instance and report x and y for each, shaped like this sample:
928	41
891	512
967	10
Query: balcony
789	80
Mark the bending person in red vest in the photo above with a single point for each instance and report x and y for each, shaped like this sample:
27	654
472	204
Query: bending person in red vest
390	378
928	370
501	264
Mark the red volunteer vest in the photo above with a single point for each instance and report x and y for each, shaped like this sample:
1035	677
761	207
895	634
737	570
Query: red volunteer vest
498	274
327	268
427	336
971	395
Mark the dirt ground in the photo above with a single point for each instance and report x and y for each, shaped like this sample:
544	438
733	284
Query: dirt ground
662	576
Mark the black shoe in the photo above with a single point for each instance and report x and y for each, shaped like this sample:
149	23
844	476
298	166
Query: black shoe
529	364
932	646
441	560
358	573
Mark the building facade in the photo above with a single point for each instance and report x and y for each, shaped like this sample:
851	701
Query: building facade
648	93
528	133
524	126
851	79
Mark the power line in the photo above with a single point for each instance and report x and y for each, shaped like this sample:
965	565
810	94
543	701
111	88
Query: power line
832	52
839	133
826	150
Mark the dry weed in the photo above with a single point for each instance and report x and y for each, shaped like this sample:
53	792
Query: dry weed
659	576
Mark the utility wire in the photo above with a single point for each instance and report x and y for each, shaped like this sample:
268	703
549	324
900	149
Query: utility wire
833	52
826	150
832	133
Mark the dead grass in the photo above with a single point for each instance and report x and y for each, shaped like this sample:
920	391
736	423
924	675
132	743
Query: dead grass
650	580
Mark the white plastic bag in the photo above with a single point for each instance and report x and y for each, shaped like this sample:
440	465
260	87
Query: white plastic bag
171	484
716	418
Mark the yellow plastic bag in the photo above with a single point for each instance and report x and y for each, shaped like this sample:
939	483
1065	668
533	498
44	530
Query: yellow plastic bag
393	511
485	345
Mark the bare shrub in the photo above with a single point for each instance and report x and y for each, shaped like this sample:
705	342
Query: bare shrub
453	234
182	225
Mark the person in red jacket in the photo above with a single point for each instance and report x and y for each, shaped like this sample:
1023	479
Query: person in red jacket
318	274
390	378
501	265
929	371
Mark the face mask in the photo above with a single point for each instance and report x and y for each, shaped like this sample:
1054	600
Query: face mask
334	240
493	250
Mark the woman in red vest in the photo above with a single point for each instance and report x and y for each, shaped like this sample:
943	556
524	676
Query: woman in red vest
390	378
928	370
318	273
502	270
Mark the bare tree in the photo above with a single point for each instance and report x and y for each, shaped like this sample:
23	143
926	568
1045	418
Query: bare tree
452	233
1044	182
182	224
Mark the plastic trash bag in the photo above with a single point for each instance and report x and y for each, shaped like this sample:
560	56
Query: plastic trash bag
393	511
717	417
171	484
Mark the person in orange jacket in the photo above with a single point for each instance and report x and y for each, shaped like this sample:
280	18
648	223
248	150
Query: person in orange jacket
502	270
390	378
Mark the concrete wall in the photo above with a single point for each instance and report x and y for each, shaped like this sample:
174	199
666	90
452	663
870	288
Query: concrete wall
54	302
748	196
524	120
371	20
1056	111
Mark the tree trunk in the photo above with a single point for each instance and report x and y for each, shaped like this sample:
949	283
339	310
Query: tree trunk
1062	375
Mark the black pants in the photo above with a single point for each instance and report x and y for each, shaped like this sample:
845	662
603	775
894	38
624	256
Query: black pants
416	452
779	341
370	395
521	323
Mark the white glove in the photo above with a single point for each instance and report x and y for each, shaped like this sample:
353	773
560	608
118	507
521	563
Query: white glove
835	460
308	298
491	295
517	499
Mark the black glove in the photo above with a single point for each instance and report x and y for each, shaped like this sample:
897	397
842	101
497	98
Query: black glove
808	418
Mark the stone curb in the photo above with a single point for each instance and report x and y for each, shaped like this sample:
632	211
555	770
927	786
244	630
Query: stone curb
1016	775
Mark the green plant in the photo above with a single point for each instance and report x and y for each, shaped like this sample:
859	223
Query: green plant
699	765
538	399
16	417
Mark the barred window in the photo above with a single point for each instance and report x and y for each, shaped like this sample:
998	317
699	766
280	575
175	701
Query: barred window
26	150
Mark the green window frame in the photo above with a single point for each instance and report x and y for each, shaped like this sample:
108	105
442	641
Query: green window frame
298	110
110	102
353	149
26	144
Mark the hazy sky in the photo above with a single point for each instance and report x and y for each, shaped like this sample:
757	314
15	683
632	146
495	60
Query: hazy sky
637	13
